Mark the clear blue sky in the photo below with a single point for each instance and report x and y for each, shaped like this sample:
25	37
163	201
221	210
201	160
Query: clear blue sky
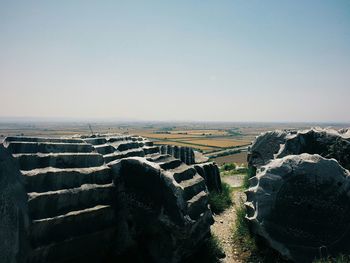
176	60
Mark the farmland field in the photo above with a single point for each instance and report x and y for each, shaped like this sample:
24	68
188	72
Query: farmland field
164	135
205	140
239	158
198	147
221	143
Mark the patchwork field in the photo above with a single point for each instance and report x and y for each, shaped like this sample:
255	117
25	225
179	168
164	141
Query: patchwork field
206	137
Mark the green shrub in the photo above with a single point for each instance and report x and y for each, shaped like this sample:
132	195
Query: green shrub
220	201
241	233
228	167
251	171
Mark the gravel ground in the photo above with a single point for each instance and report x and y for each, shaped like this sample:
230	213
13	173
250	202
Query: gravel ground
225	222
233	180
223	230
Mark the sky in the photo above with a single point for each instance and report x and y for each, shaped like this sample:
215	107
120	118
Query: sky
183	60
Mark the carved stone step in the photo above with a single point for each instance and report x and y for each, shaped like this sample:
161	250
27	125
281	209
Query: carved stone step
73	224
104	149
171	164
119	155
197	205
48	147
59	160
151	149
127	145
51	179
55	203
193	186
41	139
183	172
87	248
96	141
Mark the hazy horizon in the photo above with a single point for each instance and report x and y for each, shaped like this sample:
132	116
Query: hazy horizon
228	61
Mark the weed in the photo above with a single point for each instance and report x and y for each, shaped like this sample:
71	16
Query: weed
221	201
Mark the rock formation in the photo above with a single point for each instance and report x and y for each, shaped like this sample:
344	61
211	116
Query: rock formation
298	201
13	210
98	198
264	147
171	222
185	154
300	205
211	174
327	143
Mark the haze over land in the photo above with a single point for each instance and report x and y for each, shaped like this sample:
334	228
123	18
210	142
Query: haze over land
176	60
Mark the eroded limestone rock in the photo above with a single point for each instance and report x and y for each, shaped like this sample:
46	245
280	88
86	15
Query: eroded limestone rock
265	146
299	205
211	174
66	200
325	142
167	206
13	211
185	154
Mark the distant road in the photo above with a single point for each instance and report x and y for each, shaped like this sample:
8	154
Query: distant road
228	151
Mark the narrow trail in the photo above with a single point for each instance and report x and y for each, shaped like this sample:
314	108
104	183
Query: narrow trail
225	222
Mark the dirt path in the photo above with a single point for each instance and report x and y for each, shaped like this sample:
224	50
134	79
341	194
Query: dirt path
225	222
233	180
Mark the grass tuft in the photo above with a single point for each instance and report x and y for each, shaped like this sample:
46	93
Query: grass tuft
219	202
250	248
251	171
241	234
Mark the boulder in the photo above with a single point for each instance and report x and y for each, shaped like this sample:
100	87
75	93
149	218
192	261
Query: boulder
345	133
265	146
299	205
325	142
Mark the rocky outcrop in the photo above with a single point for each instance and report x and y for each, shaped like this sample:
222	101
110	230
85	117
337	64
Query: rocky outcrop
327	143
86	200
345	133
299	205
185	154
264	147
172	221
13	211
211	174
298	201
70	197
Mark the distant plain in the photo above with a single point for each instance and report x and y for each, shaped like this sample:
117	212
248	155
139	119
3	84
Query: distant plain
224	142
